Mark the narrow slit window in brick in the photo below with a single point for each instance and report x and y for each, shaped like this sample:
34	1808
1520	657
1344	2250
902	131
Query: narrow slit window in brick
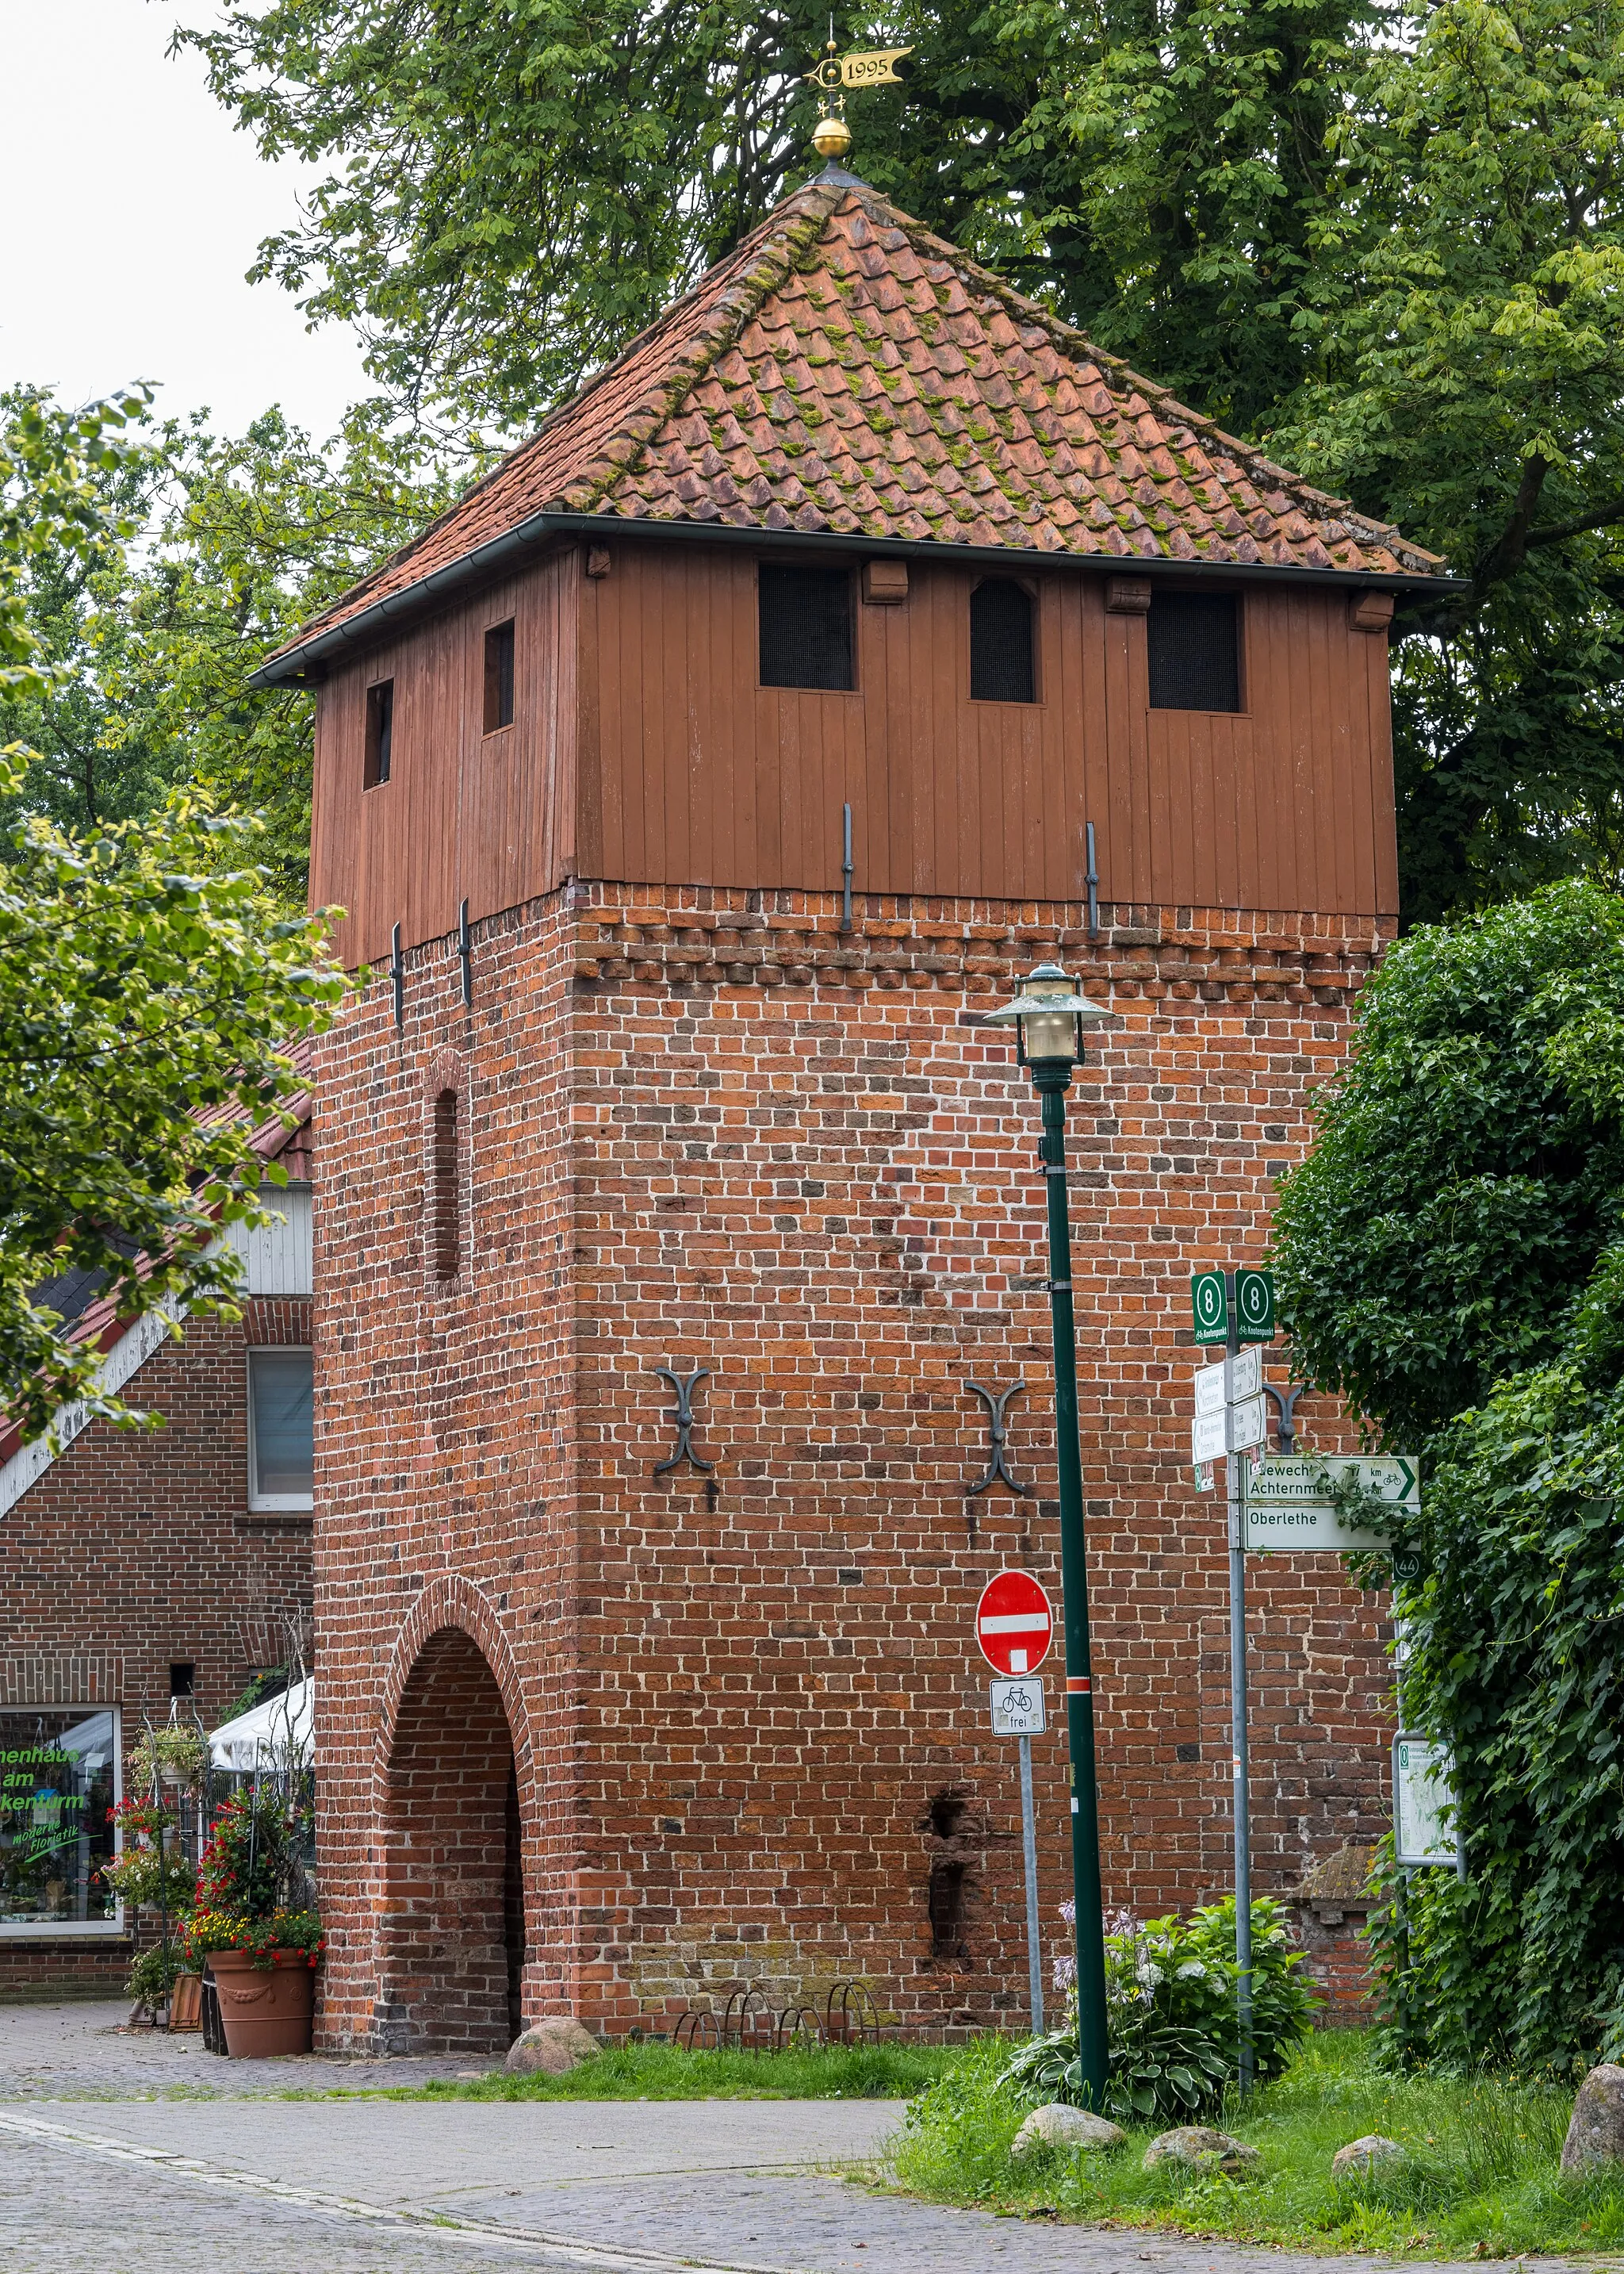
805	628
498	677
1002	668
448	1225
379	733
1194	640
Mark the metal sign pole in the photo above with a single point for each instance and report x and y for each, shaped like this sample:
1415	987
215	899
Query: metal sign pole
1029	1849
1236	1478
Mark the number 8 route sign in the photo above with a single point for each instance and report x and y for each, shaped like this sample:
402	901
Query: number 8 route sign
1014	1624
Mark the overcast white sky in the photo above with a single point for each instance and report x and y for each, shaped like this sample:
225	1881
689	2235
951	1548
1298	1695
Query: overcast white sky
133	210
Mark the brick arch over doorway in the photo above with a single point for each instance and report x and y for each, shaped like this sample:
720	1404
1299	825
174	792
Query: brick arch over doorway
451	1936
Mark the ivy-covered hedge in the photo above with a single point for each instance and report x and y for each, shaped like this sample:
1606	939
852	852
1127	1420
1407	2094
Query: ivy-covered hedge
1451	1258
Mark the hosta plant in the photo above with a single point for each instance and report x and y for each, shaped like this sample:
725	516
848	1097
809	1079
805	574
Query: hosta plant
1172	2017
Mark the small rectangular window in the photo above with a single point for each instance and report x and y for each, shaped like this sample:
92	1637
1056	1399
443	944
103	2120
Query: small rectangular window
282	1452
805	628
379	732
1194	640
498	677
1000	664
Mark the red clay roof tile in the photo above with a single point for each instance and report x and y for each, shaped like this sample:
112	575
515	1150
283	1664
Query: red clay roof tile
985	419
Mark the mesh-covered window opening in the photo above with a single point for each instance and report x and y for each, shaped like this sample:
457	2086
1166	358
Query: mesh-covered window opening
498	677
379	732
447	1229
1003	668
805	628
947	1910
1193	641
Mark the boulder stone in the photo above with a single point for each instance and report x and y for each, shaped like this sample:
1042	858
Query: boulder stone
553	2047
1060	2126
1360	2156
1202	2149
1596	2133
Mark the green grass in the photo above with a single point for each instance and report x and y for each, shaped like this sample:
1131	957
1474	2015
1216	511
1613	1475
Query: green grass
660	2072
1483	2179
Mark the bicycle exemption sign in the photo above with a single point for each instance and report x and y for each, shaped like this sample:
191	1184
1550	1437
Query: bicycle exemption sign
1018	1709
1293	1501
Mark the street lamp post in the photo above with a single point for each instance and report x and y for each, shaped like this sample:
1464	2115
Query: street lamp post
1048	1016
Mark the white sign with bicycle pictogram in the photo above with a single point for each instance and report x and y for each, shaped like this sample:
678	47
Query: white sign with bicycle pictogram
1018	1709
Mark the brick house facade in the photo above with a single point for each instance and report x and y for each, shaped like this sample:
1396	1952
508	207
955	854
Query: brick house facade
604	1730
136	1566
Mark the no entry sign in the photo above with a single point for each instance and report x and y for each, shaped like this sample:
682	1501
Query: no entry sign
1013	1623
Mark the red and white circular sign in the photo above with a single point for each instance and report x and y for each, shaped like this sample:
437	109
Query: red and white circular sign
1014	1624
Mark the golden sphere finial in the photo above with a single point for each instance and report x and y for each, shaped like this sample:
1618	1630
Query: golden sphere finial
832	137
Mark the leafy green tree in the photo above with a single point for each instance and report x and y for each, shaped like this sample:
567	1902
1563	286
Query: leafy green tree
214	550
1381	235
150	985
1463	1179
1451	1258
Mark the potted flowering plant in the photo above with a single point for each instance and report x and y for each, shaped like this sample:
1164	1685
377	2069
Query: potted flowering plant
255	1926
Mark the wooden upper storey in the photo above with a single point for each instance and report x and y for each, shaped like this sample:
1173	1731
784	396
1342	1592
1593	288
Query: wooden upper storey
847	390
643	747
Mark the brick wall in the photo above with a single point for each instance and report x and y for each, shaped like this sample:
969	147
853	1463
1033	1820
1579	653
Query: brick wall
708	1130
136	1550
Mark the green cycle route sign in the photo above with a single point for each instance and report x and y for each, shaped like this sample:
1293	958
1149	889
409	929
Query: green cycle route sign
1254	1306
1209	1300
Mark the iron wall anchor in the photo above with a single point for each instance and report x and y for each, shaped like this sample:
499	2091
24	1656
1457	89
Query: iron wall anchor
683	1388
1285	1407
998	1437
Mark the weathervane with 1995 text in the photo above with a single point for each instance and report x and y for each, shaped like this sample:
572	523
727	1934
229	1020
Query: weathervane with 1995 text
835	74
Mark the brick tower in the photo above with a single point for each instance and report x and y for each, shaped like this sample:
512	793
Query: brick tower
615	1720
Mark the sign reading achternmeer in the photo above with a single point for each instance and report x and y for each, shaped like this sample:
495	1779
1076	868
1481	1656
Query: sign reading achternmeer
1291	1503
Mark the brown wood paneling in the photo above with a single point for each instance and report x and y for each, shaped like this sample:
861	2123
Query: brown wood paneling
643	749
462	814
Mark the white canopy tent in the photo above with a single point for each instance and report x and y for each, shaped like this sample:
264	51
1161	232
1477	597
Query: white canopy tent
273	1734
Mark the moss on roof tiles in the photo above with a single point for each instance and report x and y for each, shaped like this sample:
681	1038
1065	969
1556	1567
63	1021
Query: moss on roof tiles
900	334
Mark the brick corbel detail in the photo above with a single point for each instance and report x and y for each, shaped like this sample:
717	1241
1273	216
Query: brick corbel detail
677	947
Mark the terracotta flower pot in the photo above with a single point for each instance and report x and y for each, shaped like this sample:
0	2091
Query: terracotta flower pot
265	2013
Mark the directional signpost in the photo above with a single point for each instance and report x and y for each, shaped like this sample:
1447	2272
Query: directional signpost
1290	1502
1014	1626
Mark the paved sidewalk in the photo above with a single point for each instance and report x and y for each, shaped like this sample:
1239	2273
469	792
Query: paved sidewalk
81	2051
100	2173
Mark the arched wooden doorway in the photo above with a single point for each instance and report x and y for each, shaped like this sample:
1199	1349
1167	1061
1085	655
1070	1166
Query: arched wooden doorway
451	1938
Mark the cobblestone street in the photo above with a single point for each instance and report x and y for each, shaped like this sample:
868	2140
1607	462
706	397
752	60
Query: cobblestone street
136	2154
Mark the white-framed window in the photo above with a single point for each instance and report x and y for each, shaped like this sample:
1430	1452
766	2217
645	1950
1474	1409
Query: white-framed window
280	1437
61	1776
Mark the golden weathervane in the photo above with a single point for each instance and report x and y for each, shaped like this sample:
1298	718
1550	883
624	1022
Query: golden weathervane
834	74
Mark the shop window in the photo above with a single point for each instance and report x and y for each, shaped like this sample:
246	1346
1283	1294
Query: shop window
1001	665
59	1781
446	1228
281	1433
498	677
379	733
1193	641
805	628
